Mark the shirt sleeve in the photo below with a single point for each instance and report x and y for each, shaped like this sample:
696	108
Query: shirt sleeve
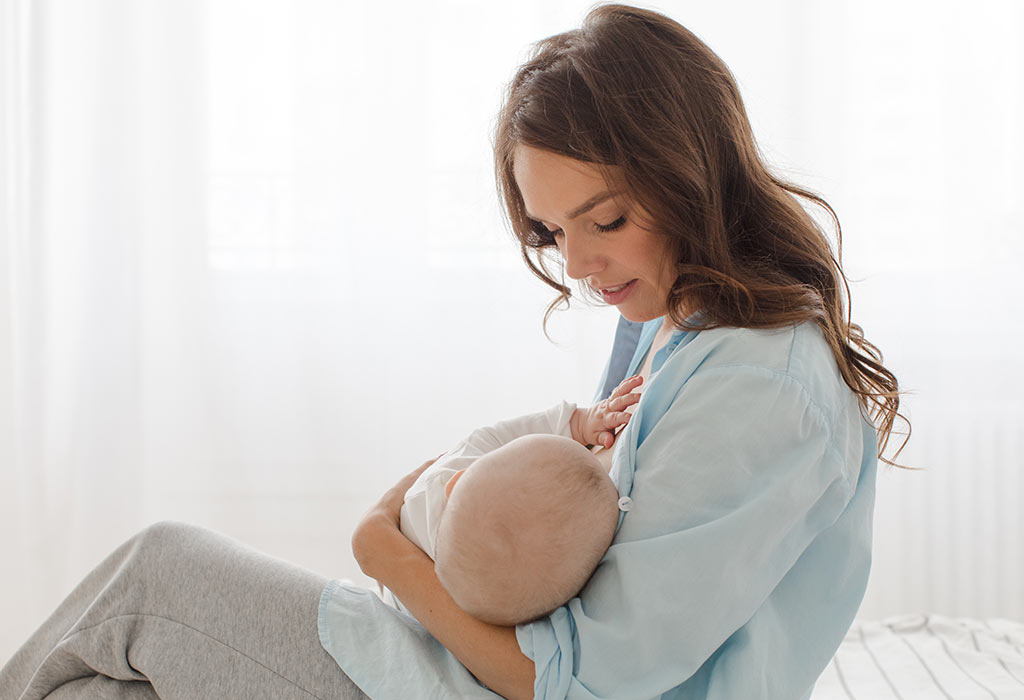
735	473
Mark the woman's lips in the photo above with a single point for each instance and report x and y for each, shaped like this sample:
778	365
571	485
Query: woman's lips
615	295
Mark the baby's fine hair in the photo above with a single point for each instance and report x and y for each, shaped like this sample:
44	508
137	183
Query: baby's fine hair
525	529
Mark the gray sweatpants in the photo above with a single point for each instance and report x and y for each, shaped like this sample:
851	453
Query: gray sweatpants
182	613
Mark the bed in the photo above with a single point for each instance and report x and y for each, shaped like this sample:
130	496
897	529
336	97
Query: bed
921	657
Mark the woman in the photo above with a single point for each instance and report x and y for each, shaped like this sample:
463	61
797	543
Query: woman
747	470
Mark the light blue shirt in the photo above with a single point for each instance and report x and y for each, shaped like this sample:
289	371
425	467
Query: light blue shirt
739	566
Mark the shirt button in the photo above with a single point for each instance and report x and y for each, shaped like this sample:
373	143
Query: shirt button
625	503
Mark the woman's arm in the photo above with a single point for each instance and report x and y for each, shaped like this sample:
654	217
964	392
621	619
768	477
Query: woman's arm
491	653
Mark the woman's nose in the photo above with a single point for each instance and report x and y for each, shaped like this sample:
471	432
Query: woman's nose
580	256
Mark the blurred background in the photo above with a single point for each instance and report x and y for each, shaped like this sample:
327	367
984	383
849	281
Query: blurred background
253	270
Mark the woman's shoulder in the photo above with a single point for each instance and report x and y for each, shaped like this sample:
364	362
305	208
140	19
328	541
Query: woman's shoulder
748	383
798	356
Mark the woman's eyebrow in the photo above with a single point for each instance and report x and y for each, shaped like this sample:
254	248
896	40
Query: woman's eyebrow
583	208
589	204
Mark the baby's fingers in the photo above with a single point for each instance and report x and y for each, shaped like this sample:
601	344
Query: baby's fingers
627	385
621	403
615	419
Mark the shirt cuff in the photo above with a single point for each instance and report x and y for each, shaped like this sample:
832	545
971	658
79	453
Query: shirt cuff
548	642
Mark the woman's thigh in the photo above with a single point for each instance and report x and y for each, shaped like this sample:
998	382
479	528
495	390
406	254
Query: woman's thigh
191	613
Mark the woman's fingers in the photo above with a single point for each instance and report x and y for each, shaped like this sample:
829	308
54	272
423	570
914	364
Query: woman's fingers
391	501
411	477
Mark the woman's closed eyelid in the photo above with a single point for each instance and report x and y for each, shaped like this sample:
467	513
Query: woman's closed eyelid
616	224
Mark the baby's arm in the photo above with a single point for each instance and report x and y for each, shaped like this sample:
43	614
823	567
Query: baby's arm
553	421
597	424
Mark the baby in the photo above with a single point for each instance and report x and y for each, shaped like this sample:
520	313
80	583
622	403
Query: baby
518	515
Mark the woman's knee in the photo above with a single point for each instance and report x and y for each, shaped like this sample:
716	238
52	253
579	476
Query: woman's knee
168	531
165	557
164	541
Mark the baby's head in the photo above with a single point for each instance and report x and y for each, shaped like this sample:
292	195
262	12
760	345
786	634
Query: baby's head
524	528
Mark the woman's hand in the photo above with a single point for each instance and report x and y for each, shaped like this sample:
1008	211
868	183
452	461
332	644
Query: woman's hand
371	537
598	424
491	653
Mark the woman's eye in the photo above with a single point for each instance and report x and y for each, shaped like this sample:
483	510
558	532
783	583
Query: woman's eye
617	224
543	236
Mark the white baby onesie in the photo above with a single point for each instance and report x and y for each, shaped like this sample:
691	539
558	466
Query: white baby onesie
426	498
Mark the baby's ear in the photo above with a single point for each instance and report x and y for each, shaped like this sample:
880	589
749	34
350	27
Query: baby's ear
451	482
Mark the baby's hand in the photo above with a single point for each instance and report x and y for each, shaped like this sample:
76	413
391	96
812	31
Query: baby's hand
597	424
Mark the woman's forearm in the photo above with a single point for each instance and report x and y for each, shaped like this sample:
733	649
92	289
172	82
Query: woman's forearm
490	652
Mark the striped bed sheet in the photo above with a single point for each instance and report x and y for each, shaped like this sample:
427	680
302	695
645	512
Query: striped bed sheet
926	657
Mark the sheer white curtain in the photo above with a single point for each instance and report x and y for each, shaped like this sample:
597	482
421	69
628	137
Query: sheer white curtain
105	293
252	268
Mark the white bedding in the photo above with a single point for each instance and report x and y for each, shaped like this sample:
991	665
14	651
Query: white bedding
923	657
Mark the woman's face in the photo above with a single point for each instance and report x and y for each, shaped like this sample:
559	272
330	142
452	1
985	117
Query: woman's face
598	233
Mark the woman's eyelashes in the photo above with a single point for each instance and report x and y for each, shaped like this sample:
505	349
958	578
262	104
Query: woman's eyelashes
617	224
545	236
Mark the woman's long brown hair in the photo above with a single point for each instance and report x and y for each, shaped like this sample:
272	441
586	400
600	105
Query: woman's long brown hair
643	98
